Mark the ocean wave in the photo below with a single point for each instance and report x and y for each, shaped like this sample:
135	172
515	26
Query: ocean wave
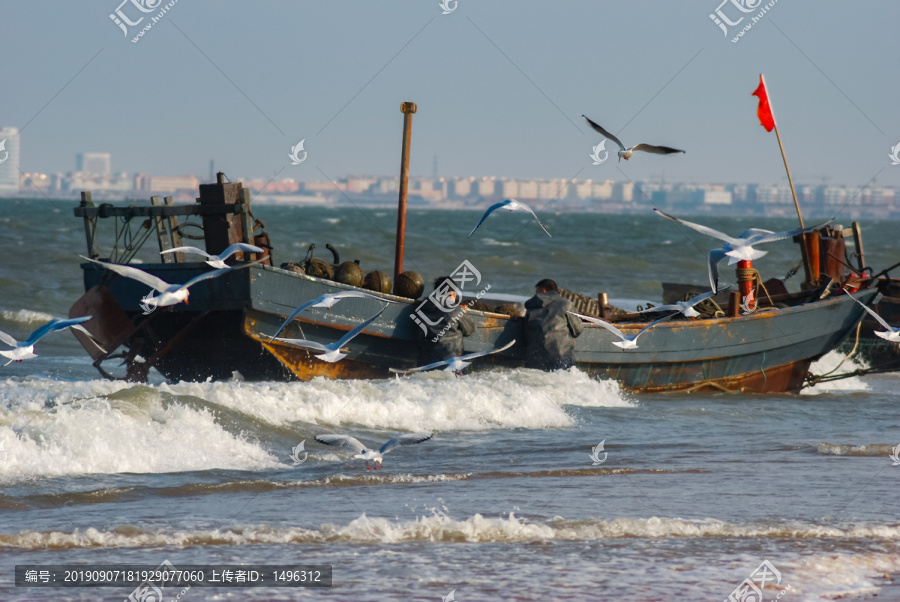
52	428
838	363
870	450
25	316
437	528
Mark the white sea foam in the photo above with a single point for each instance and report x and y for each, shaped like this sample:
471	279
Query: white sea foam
831	361
25	316
50	427
438	527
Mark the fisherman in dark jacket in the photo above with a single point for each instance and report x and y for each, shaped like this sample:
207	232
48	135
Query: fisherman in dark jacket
550	330
445	329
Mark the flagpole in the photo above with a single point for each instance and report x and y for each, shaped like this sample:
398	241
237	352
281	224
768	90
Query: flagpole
803	247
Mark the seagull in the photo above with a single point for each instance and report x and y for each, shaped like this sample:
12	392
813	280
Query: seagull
626	153
327	301
449	597
626	342
25	350
332	352
891	334
455	364
509	205
218	261
371	454
169	294
685	307
740	248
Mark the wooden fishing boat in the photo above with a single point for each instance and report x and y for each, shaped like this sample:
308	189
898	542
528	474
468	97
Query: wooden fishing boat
227	326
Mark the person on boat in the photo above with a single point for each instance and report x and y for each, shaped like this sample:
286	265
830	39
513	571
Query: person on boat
550	331
445	324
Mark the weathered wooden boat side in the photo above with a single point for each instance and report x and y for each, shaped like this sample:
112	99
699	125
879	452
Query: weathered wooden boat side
763	352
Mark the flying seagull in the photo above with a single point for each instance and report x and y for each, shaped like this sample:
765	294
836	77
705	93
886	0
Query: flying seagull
626	342
370	454
626	153
685	307
218	261
24	350
332	352
455	364
740	248
890	334
169	294
509	205
327	301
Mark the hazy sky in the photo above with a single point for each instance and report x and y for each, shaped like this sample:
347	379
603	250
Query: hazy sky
500	87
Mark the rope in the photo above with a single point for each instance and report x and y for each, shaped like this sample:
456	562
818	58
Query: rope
849	355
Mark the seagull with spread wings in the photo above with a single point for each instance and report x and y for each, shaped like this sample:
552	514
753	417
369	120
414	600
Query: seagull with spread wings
509	205
327	301
685	307
366	454
627	342
890	333
169	294
332	352
740	248
24	350
218	261
455	364
626	153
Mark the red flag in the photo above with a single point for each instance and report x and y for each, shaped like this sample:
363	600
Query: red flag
764	112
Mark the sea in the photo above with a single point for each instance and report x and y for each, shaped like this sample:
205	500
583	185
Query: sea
535	486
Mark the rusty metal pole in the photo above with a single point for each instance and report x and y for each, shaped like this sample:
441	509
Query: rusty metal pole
407	108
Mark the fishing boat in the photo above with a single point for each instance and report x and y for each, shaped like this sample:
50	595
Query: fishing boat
228	325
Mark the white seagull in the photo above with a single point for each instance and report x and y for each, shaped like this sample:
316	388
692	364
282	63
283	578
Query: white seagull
509	205
626	153
25	350
455	364
736	248
370	454
685	307
627	342
332	352
327	301
218	261
169	294
891	334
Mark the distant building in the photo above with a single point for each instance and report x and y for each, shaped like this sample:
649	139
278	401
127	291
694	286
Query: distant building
173	183
94	163
9	155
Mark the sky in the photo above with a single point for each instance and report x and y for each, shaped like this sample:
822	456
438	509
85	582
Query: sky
500	87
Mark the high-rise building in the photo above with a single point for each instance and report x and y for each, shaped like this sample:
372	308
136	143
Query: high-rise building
95	163
9	160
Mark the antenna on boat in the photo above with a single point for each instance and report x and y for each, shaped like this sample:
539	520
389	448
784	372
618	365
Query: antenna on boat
407	108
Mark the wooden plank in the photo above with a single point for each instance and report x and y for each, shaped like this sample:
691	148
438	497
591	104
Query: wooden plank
162	235
107	210
174	234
